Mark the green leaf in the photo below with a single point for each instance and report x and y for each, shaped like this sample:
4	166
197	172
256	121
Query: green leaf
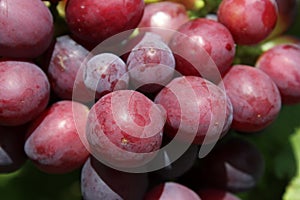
293	189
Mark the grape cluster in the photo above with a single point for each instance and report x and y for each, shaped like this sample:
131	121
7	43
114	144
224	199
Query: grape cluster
146	99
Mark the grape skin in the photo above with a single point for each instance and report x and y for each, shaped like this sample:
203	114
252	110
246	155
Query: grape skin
235	165
53	141
162	16
23	96
92	21
287	12
66	60
104	73
131	186
249	21
192	104
150	64
124	127
254	108
93	187
281	63
26	28
216	194
200	45
171	191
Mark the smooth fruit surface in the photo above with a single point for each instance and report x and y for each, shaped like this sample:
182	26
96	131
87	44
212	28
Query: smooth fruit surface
26	28
23	96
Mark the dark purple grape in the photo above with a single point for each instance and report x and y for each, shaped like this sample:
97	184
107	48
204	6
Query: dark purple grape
216	194
287	11
54	141
164	15
24	92
104	73
193	104
92	21
179	167
201	47
249	21
93	187
235	165
254	96
101	182
171	191
281	63
26	28
12	155
66	60
150	64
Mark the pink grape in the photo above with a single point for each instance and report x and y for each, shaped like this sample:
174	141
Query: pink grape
54	141
24	92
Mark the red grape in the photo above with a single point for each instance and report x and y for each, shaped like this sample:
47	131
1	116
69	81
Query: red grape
24	92
249	21
26	28
254	108
104	73
124	128
171	191
54	139
164	15
92	21
151	64
66	59
281	63
201	44
197	109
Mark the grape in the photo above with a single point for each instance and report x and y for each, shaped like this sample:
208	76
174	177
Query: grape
235	165
254	108
101	182
281	63
192	104
26	28
201	44
92	21
105	73
249	21
53	141
180	166
164	15
151	64
287	10
12	155
216	194
171	191
66	59
24	92
93	187
124	128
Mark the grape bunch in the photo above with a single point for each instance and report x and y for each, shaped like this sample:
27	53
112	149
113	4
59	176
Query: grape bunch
143	99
